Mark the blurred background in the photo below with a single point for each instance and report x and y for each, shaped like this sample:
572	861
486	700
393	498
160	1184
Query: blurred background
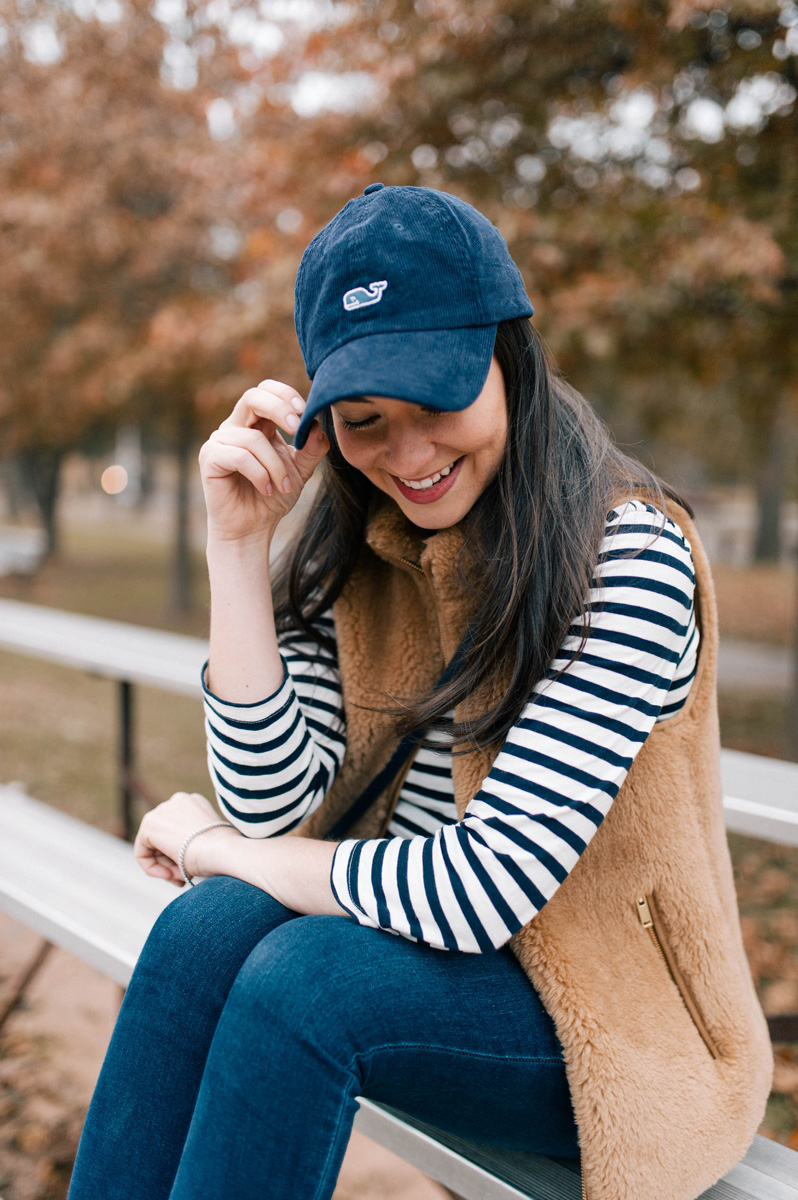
163	163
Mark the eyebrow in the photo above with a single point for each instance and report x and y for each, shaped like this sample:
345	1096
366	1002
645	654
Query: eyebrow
354	400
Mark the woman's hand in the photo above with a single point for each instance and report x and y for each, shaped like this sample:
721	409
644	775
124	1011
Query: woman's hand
250	475
165	828
295	870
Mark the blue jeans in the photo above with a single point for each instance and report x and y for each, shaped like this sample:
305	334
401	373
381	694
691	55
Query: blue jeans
248	1030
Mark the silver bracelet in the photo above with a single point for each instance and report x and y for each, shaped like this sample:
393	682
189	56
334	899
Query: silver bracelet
190	838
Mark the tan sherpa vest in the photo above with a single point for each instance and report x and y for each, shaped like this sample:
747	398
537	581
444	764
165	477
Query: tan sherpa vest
666	1048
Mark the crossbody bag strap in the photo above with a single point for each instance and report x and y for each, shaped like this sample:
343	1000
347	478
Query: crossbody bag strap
404	751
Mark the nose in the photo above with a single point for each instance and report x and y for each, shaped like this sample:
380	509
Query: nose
409	452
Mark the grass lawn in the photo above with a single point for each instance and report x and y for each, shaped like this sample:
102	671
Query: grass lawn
753	722
110	571
758	603
58	737
58	733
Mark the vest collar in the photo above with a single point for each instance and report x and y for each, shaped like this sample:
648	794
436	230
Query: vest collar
397	540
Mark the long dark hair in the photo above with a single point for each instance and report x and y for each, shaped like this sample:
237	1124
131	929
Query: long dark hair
530	548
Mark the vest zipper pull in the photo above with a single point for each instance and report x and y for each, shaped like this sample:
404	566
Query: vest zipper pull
647	921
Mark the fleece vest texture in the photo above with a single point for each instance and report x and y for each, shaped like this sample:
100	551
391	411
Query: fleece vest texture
666	1048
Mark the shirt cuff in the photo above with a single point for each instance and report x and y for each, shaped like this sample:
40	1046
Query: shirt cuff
344	887
229	708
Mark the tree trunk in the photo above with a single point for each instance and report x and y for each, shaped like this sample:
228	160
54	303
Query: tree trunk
181	601
792	715
17	494
777	456
42	473
770	489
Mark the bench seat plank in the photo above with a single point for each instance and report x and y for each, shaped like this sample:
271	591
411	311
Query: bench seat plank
745	1182
774	1160
75	885
760	796
114	649
469	1168
768	1172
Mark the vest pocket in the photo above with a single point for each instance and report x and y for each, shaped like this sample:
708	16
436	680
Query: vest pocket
650	919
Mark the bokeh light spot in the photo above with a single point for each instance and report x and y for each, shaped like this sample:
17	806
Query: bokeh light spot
113	480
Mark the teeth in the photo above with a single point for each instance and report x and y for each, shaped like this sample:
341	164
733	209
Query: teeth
419	484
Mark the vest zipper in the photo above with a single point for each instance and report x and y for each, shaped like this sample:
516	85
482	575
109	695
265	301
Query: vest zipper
649	919
584	1189
407	562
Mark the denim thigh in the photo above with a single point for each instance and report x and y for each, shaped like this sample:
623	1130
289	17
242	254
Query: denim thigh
461	1041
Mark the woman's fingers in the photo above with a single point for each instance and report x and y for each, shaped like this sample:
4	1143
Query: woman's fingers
160	867
236	460
269	401
248	448
248	452
164	829
285	467
314	449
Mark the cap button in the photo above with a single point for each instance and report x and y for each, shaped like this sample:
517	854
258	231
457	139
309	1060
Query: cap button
372	187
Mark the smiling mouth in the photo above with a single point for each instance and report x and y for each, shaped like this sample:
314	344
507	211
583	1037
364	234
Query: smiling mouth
419	485
433	487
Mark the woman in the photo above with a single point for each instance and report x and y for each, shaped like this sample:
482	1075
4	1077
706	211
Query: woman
483	666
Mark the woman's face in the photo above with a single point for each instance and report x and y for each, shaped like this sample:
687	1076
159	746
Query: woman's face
402	447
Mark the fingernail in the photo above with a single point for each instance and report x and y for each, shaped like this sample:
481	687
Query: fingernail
299	404
292	421
286	484
269	488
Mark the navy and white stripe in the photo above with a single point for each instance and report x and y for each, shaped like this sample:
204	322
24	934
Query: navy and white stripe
272	762
470	884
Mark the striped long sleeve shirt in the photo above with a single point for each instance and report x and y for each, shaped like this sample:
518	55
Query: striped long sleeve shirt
470	884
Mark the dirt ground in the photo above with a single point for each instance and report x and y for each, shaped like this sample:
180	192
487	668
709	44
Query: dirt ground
50	1053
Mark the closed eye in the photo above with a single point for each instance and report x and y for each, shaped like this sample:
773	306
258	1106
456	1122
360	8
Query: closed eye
430	412
357	424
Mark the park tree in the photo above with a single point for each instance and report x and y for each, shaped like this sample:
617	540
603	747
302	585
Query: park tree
139	233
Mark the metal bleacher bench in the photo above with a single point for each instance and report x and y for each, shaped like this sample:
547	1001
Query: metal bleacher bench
79	887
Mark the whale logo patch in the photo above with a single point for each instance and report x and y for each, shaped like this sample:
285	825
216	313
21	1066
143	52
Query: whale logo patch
360	297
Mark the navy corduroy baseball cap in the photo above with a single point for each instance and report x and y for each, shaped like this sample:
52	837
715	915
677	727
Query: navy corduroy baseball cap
400	295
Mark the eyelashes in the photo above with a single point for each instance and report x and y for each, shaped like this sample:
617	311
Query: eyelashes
357	424
354	425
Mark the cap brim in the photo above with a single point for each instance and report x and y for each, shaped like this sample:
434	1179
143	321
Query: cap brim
440	368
